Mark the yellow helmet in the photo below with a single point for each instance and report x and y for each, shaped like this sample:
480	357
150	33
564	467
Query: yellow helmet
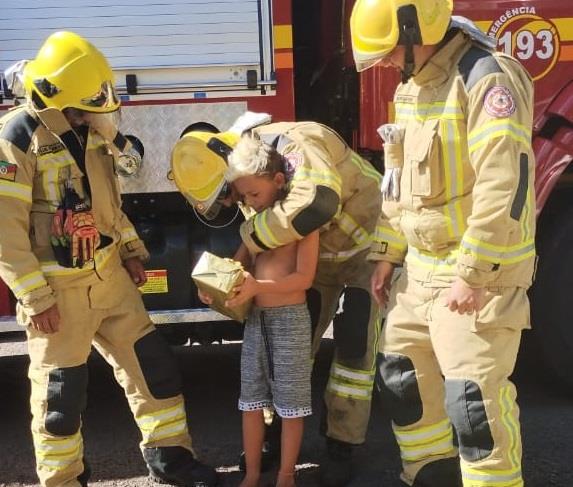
70	72
378	26
198	165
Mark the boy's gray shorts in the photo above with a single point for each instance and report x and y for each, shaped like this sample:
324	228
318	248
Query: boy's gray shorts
276	361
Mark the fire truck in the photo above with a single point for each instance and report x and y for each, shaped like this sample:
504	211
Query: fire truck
182	65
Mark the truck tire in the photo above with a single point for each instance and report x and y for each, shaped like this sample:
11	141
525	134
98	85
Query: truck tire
552	296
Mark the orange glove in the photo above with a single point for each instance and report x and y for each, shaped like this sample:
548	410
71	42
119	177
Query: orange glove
82	235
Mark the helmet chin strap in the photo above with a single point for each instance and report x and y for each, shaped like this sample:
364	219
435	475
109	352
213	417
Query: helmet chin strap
410	36
409	63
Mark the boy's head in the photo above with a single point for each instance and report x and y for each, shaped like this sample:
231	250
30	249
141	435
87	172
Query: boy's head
256	170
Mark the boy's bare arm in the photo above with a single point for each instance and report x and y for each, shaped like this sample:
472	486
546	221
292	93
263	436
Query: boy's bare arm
243	256
300	280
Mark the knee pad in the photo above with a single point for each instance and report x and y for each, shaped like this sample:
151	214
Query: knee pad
351	325
66	400
158	366
398	386
441	473
464	403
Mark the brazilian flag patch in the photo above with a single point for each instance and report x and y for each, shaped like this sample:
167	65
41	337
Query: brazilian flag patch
8	171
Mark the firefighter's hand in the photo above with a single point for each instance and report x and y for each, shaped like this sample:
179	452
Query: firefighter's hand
136	270
381	282
464	299
47	321
204	297
245	291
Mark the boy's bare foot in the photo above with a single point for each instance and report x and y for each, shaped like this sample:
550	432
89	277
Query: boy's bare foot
250	481
285	479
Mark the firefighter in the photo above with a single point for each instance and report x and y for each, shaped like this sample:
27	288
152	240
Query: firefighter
73	260
458	214
331	188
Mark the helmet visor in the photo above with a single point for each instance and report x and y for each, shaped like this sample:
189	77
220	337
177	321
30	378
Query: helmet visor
104	98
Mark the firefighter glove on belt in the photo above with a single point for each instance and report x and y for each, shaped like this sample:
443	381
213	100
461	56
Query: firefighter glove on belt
74	237
391	134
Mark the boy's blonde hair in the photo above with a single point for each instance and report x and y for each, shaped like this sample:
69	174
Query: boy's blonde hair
253	157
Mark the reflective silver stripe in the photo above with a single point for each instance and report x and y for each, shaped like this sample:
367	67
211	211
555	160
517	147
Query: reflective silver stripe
352	229
498	128
446	262
427	111
59	454
420	434
366	169
453	177
508	419
324	178
343	254
355	375
391	237
492	478
27	283
16	190
348	391
263	230
443	447
498	254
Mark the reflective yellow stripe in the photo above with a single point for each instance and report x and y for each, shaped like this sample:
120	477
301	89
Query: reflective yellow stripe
349	226
58	454
52	268
491	478
412	436
425	259
128	234
52	161
498	254
495	129
343	254
343	390
357	377
423	442
16	190
388	235
27	283
507	406
428	111
366	168
165	423
263	230
454	177
322	178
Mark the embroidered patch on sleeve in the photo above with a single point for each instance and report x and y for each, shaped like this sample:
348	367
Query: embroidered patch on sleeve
499	102
8	171
292	161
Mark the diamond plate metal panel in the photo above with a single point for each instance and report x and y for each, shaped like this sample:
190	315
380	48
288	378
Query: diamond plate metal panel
159	127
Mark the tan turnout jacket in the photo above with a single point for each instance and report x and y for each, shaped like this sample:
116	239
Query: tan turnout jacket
35	163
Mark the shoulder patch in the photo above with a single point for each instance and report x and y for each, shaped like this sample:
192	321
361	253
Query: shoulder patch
293	160
8	171
476	64
499	102
18	130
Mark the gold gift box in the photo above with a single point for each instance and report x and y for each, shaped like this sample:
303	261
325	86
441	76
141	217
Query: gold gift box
217	276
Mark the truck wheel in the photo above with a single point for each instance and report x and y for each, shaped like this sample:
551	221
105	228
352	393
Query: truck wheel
552	296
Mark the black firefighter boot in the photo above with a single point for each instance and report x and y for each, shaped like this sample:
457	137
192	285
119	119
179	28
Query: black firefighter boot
441	473
336	470
175	465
